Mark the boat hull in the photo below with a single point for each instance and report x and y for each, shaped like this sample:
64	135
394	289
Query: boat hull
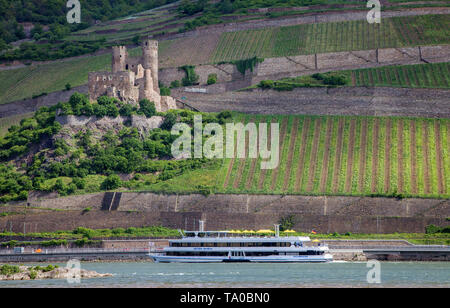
268	259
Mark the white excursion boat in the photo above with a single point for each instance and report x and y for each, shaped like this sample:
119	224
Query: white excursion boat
222	246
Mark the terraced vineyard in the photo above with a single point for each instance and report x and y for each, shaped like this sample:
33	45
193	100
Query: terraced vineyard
333	37
335	155
433	75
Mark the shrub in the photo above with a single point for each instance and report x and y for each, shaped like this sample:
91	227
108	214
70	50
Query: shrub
287	222
191	77
266	84
175	84
147	108
212	79
7	269
33	274
169	121
68	86
164	91
111	182
80	183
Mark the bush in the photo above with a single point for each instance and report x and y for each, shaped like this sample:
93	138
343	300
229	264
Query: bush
266	84
212	79
287	222
164	91
111	182
147	108
7	269
68	86
175	84
169	121
191	77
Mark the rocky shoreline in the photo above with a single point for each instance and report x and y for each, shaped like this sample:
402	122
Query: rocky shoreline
39	273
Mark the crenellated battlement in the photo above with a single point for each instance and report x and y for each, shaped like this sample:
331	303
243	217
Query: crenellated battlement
131	79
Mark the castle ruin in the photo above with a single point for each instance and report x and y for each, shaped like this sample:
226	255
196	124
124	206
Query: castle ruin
131	79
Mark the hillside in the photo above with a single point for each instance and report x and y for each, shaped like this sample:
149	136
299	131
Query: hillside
271	42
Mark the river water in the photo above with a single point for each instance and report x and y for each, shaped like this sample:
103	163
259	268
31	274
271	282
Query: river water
336	274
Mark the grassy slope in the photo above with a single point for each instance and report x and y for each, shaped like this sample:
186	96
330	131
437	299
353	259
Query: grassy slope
309	184
303	39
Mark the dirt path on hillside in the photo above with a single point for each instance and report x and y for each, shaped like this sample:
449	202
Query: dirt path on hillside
400	156
375	142
350	153
282	144
301	160
291	153
426	158
387	156
337	165
439	160
313	158
412	124
362	155
326	156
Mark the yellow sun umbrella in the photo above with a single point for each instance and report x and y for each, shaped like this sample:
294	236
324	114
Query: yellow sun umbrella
265	231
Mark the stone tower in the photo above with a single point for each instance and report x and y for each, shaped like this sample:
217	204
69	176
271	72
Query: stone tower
119	59
150	60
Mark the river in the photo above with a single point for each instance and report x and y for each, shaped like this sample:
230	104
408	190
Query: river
335	274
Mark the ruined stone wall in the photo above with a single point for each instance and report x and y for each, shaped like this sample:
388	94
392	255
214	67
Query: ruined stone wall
275	68
120	85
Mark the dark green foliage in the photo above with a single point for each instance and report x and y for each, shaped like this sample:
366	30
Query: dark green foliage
247	64
50	51
266	84
13	185
191	77
125	151
18	139
80	183
188	7
127	110
432	229
332	80
147	108
175	84
7	269
53	13
111	182
164	91
169	121
287	222
212	79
